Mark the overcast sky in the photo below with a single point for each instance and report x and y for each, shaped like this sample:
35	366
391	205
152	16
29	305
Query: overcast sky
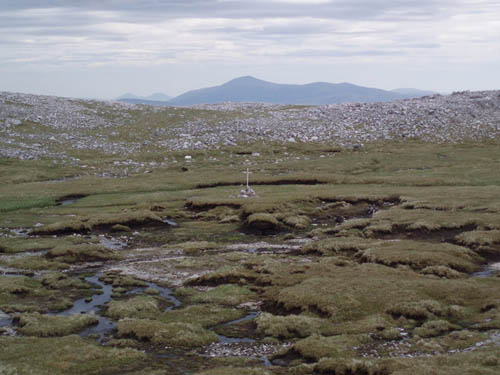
104	48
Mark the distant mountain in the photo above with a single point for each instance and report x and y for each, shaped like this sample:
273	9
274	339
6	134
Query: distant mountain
128	95
156	103
413	93
250	89
157	98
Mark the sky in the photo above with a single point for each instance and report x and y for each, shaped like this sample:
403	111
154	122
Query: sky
105	48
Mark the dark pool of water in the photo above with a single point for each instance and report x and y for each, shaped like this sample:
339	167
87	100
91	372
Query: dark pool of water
68	201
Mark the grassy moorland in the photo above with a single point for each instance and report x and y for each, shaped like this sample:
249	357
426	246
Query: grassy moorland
371	260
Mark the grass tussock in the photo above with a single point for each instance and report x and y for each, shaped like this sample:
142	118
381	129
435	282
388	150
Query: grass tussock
291	326
34	263
25	294
140	307
434	328
117	280
262	222
178	335
205	315
82	253
423	310
337	245
344	294
229	370
228	295
419	255
443	271
13	245
315	347
86	224
433	220
484	242
297	179
39	325
341	366
59	280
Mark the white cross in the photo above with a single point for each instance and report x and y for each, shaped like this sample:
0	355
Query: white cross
248	175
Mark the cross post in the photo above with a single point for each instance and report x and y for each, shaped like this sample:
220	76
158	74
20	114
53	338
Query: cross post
248	175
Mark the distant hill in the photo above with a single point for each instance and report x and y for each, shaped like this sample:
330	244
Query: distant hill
145	101
413	93
250	89
157	98
128	95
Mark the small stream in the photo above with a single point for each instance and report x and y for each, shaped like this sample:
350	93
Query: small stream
164	292
84	306
488	270
105	326
232	340
93	306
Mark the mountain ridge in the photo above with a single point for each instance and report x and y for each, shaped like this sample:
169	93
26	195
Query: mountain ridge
251	89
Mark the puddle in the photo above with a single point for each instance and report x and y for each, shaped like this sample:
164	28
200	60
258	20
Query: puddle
19	232
70	199
170	222
5	320
65	202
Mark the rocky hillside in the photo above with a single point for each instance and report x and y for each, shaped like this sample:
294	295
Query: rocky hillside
34	126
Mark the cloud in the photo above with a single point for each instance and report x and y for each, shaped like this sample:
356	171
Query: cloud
72	33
